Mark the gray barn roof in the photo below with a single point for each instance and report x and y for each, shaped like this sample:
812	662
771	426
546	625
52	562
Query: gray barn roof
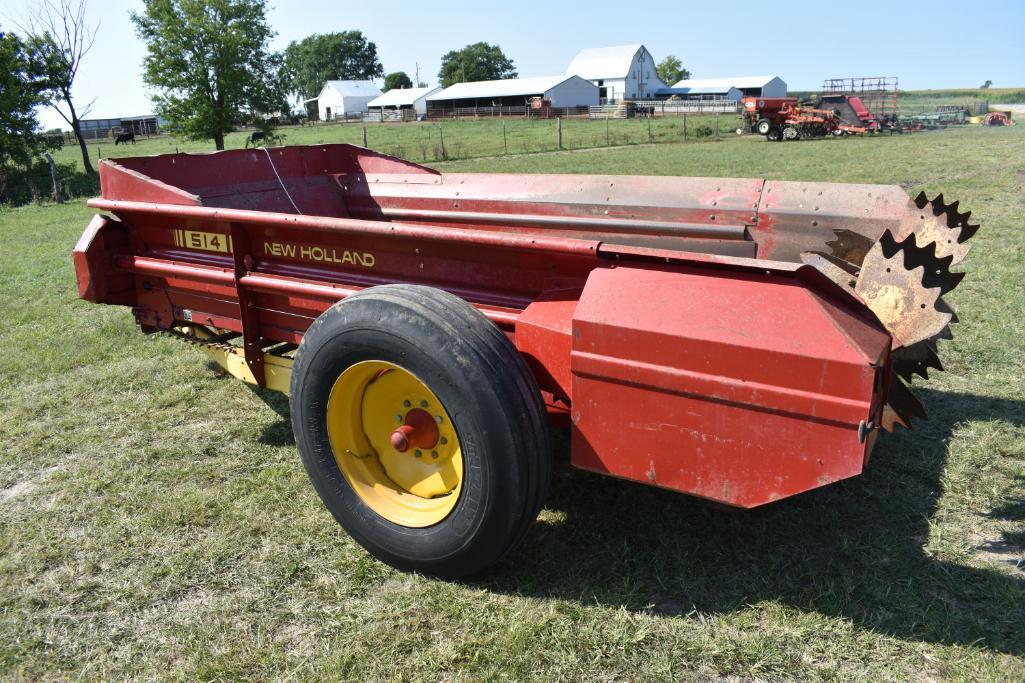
401	97
353	88
508	87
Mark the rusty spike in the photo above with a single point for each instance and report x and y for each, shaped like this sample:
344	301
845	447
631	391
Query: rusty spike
901	406
896	295
916	360
933	225
936	267
944	307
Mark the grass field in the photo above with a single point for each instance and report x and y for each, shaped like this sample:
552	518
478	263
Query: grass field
441	140
155	520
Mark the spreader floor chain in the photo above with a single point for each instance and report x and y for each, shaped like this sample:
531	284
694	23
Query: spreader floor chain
739	340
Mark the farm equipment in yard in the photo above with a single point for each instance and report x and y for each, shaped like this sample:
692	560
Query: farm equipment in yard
998	118
739	340
785	118
762	115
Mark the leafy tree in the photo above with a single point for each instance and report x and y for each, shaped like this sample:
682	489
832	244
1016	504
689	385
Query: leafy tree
23	87
985	86
60	32
210	61
398	79
331	56
477	62
671	70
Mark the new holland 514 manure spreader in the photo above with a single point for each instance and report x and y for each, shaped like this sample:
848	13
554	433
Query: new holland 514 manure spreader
738	340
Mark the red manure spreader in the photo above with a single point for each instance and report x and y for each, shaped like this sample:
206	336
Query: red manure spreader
740	340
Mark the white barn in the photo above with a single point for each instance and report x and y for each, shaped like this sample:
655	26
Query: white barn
623	72
399	99
562	91
730	88
338	99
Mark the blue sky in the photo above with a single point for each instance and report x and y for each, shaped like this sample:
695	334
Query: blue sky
948	44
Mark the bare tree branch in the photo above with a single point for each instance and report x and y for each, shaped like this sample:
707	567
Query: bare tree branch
61	28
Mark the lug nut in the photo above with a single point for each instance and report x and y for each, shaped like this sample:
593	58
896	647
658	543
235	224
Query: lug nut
398	418
434	454
406	403
418	453
437	418
423	404
444	440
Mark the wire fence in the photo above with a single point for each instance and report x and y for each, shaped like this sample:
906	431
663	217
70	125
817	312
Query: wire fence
434	140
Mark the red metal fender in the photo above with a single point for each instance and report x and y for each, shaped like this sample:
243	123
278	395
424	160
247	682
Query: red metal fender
742	388
98	281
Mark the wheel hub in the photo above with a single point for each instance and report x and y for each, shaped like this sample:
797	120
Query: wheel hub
395	443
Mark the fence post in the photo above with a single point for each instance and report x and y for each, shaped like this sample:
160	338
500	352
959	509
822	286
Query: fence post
607	142
56	195
650	117
364	136
685	126
505	140
716	125
441	137
558	128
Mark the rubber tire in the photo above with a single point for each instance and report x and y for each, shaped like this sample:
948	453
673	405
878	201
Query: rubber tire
486	388
763	126
774	135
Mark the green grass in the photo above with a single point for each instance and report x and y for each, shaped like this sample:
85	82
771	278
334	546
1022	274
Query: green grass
440	140
155	521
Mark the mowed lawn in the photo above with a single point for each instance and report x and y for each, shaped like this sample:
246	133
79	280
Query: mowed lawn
155	520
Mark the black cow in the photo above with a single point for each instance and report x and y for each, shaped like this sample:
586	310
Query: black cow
125	138
256	136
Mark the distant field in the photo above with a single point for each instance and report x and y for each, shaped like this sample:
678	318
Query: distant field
156	522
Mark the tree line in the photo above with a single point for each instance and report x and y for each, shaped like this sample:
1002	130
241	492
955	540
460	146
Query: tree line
211	68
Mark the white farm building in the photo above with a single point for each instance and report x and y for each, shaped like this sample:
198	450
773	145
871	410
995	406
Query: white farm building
339	99
562	91
623	72
727	88
402	103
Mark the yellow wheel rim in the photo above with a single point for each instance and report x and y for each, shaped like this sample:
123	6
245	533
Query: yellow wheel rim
412	478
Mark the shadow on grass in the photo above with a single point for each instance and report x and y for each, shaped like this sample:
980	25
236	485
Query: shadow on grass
852	550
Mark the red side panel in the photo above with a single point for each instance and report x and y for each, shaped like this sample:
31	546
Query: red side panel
740	388
98	280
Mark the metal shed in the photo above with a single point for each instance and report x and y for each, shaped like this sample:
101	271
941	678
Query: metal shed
402	101
562	91
733	88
